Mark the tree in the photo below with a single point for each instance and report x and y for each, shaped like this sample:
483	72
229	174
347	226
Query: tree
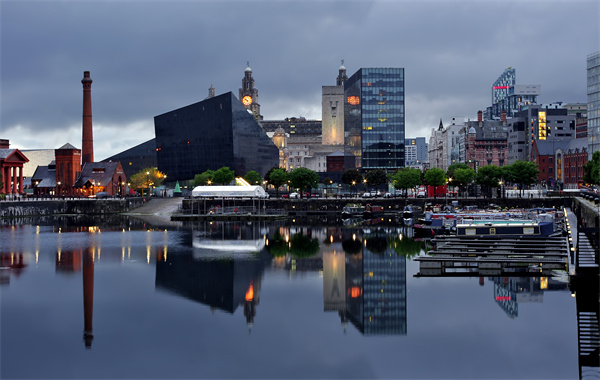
489	176
453	167
376	177
591	169
302	246
146	178
406	178
435	177
204	178
223	176
252	177
303	179
277	177
462	177
351	177
523	173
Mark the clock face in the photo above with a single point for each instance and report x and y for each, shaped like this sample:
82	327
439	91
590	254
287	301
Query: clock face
247	100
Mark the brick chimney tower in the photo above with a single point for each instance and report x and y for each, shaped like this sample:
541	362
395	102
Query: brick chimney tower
87	143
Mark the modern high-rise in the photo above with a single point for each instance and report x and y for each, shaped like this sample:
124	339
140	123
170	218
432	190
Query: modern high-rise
415	152
374	118
210	134
593	103
509	97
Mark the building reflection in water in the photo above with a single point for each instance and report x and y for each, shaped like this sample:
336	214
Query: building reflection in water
11	264
376	286
510	291
364	272
223	270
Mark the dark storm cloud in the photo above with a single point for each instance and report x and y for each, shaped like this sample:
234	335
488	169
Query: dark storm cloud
148	57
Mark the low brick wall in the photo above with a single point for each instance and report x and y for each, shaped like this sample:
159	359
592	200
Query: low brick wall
18	209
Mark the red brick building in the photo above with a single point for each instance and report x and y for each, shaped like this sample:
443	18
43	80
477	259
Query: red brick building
486	143
548	155
11	169
575	157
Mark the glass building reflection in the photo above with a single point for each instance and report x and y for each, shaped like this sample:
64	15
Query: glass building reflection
223	269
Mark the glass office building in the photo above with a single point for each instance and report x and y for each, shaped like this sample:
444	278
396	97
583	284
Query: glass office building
593	103
210	134
374	118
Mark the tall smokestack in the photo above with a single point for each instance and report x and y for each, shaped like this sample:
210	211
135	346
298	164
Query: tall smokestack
87	143
480	116
503	117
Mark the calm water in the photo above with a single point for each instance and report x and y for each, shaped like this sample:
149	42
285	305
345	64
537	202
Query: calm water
126	299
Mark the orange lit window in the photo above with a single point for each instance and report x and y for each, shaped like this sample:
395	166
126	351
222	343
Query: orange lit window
354	100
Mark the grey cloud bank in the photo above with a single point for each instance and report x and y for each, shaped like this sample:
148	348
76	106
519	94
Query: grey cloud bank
149	57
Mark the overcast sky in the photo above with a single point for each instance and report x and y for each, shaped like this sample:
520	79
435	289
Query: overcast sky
150	57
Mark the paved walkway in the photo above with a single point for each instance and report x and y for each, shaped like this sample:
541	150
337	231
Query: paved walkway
158	206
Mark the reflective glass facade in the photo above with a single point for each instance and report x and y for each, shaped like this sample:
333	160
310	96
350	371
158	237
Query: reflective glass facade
376	288
211	134
593	103
374	118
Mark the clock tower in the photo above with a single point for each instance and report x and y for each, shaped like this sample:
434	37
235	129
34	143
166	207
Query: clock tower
249	94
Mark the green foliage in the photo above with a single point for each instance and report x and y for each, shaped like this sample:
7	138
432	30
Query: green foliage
489	175
435	177
407	178
277	177
223	176
463	176
351	176
376	177
277	246
376	244
453	167
204	178
146	178
252	177
327	181
352	247
591	170
522	172
407	247
302	245
303	178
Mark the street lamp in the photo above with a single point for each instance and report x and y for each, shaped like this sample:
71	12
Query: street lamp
58	188
147	183
353	183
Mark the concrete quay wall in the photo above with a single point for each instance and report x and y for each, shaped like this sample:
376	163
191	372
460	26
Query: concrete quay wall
326	205
19	209
587	213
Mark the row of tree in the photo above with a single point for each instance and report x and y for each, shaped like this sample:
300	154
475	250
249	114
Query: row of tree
522	173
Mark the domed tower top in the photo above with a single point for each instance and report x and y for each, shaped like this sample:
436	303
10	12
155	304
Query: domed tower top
342	77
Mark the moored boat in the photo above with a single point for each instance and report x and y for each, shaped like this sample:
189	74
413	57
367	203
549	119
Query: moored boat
505	228
352	210
373	211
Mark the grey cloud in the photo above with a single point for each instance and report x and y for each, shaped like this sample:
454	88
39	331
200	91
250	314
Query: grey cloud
147	58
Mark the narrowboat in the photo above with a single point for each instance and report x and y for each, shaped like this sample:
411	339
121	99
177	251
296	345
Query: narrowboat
505	228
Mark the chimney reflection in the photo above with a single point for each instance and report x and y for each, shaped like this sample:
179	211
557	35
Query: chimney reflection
88	295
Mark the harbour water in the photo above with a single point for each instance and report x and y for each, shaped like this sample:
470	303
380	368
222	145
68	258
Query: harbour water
122	298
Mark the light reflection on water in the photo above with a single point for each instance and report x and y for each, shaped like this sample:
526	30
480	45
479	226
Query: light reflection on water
285	300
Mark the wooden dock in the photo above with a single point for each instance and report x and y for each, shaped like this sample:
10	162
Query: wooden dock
493	255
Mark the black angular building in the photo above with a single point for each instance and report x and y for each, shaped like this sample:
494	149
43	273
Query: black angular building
210	134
